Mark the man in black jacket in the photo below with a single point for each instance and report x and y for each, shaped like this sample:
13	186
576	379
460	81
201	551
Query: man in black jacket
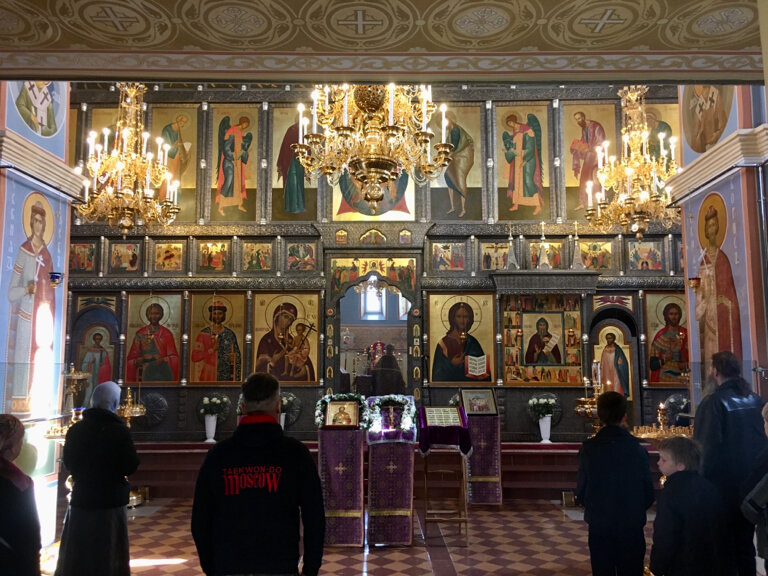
253	489
730	429
614	485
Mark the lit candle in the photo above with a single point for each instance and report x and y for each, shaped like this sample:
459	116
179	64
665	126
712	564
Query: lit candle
662	135
85	195
542	228
605	149
391	89
175	192
444	123
424	111
119	178
301	122
346	98
645	143
166	147
599	151
159	142
145	138
106	138
315	96
625	138
672	143
91	143
305	122
589	192
576	231
146	184
613	160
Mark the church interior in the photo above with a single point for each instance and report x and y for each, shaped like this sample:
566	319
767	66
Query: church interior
525	203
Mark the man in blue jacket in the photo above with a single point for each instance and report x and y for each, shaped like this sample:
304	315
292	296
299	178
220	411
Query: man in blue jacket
252	491
614	485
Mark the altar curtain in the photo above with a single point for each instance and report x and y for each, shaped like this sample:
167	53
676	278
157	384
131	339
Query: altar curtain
484	466
340	463
390	493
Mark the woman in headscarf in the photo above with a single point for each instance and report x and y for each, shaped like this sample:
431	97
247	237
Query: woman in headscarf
99	454
19	524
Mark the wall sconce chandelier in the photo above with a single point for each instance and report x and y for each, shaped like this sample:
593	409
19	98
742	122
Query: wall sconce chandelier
638	179
375	133
124	177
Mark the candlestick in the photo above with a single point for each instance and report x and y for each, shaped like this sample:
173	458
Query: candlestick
663	152
672	143
86	184
391	88
301	122
599	151
443	123
589	192
346	98
315	96
106	136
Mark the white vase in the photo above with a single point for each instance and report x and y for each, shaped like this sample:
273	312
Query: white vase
545	427
210	427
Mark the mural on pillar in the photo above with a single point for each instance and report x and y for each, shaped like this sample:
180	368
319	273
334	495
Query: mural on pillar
540	339
716	269
35	245
708	115
38	112
294	190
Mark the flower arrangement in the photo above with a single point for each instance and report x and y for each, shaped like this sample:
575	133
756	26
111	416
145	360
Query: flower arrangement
364	419
215	405
405	402
541	406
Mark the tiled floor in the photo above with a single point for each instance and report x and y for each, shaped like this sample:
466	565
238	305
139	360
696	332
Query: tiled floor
534	537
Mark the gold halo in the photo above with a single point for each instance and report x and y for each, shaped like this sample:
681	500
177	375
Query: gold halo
718	203
269	309
660	309
155	300
50	224
463	298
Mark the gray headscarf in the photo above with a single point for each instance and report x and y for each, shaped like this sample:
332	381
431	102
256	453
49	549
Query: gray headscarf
106	395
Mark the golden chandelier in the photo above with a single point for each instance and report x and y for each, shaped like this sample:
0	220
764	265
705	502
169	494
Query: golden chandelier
123	177
638	179
375	133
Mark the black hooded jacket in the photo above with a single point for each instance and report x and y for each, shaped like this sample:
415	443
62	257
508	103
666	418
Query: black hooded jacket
252	490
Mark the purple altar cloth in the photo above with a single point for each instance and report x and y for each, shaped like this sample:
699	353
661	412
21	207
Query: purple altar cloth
390	493
484	465
444	435
390	430
340	463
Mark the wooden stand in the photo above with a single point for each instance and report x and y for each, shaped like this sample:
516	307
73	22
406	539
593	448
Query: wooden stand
443	472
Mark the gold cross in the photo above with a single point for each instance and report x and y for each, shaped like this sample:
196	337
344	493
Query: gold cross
340	468
482	443
391	467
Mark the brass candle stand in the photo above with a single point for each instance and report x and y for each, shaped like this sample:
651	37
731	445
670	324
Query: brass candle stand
587	405
130	409
74	383
661	428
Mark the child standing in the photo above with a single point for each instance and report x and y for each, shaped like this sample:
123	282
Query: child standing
689	513
614	485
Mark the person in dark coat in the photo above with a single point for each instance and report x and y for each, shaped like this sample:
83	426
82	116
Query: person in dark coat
253	490
687	534
730	429
99	453
755	504
19	523
614	485
387	378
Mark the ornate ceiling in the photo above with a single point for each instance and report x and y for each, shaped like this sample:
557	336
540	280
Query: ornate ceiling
455	40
